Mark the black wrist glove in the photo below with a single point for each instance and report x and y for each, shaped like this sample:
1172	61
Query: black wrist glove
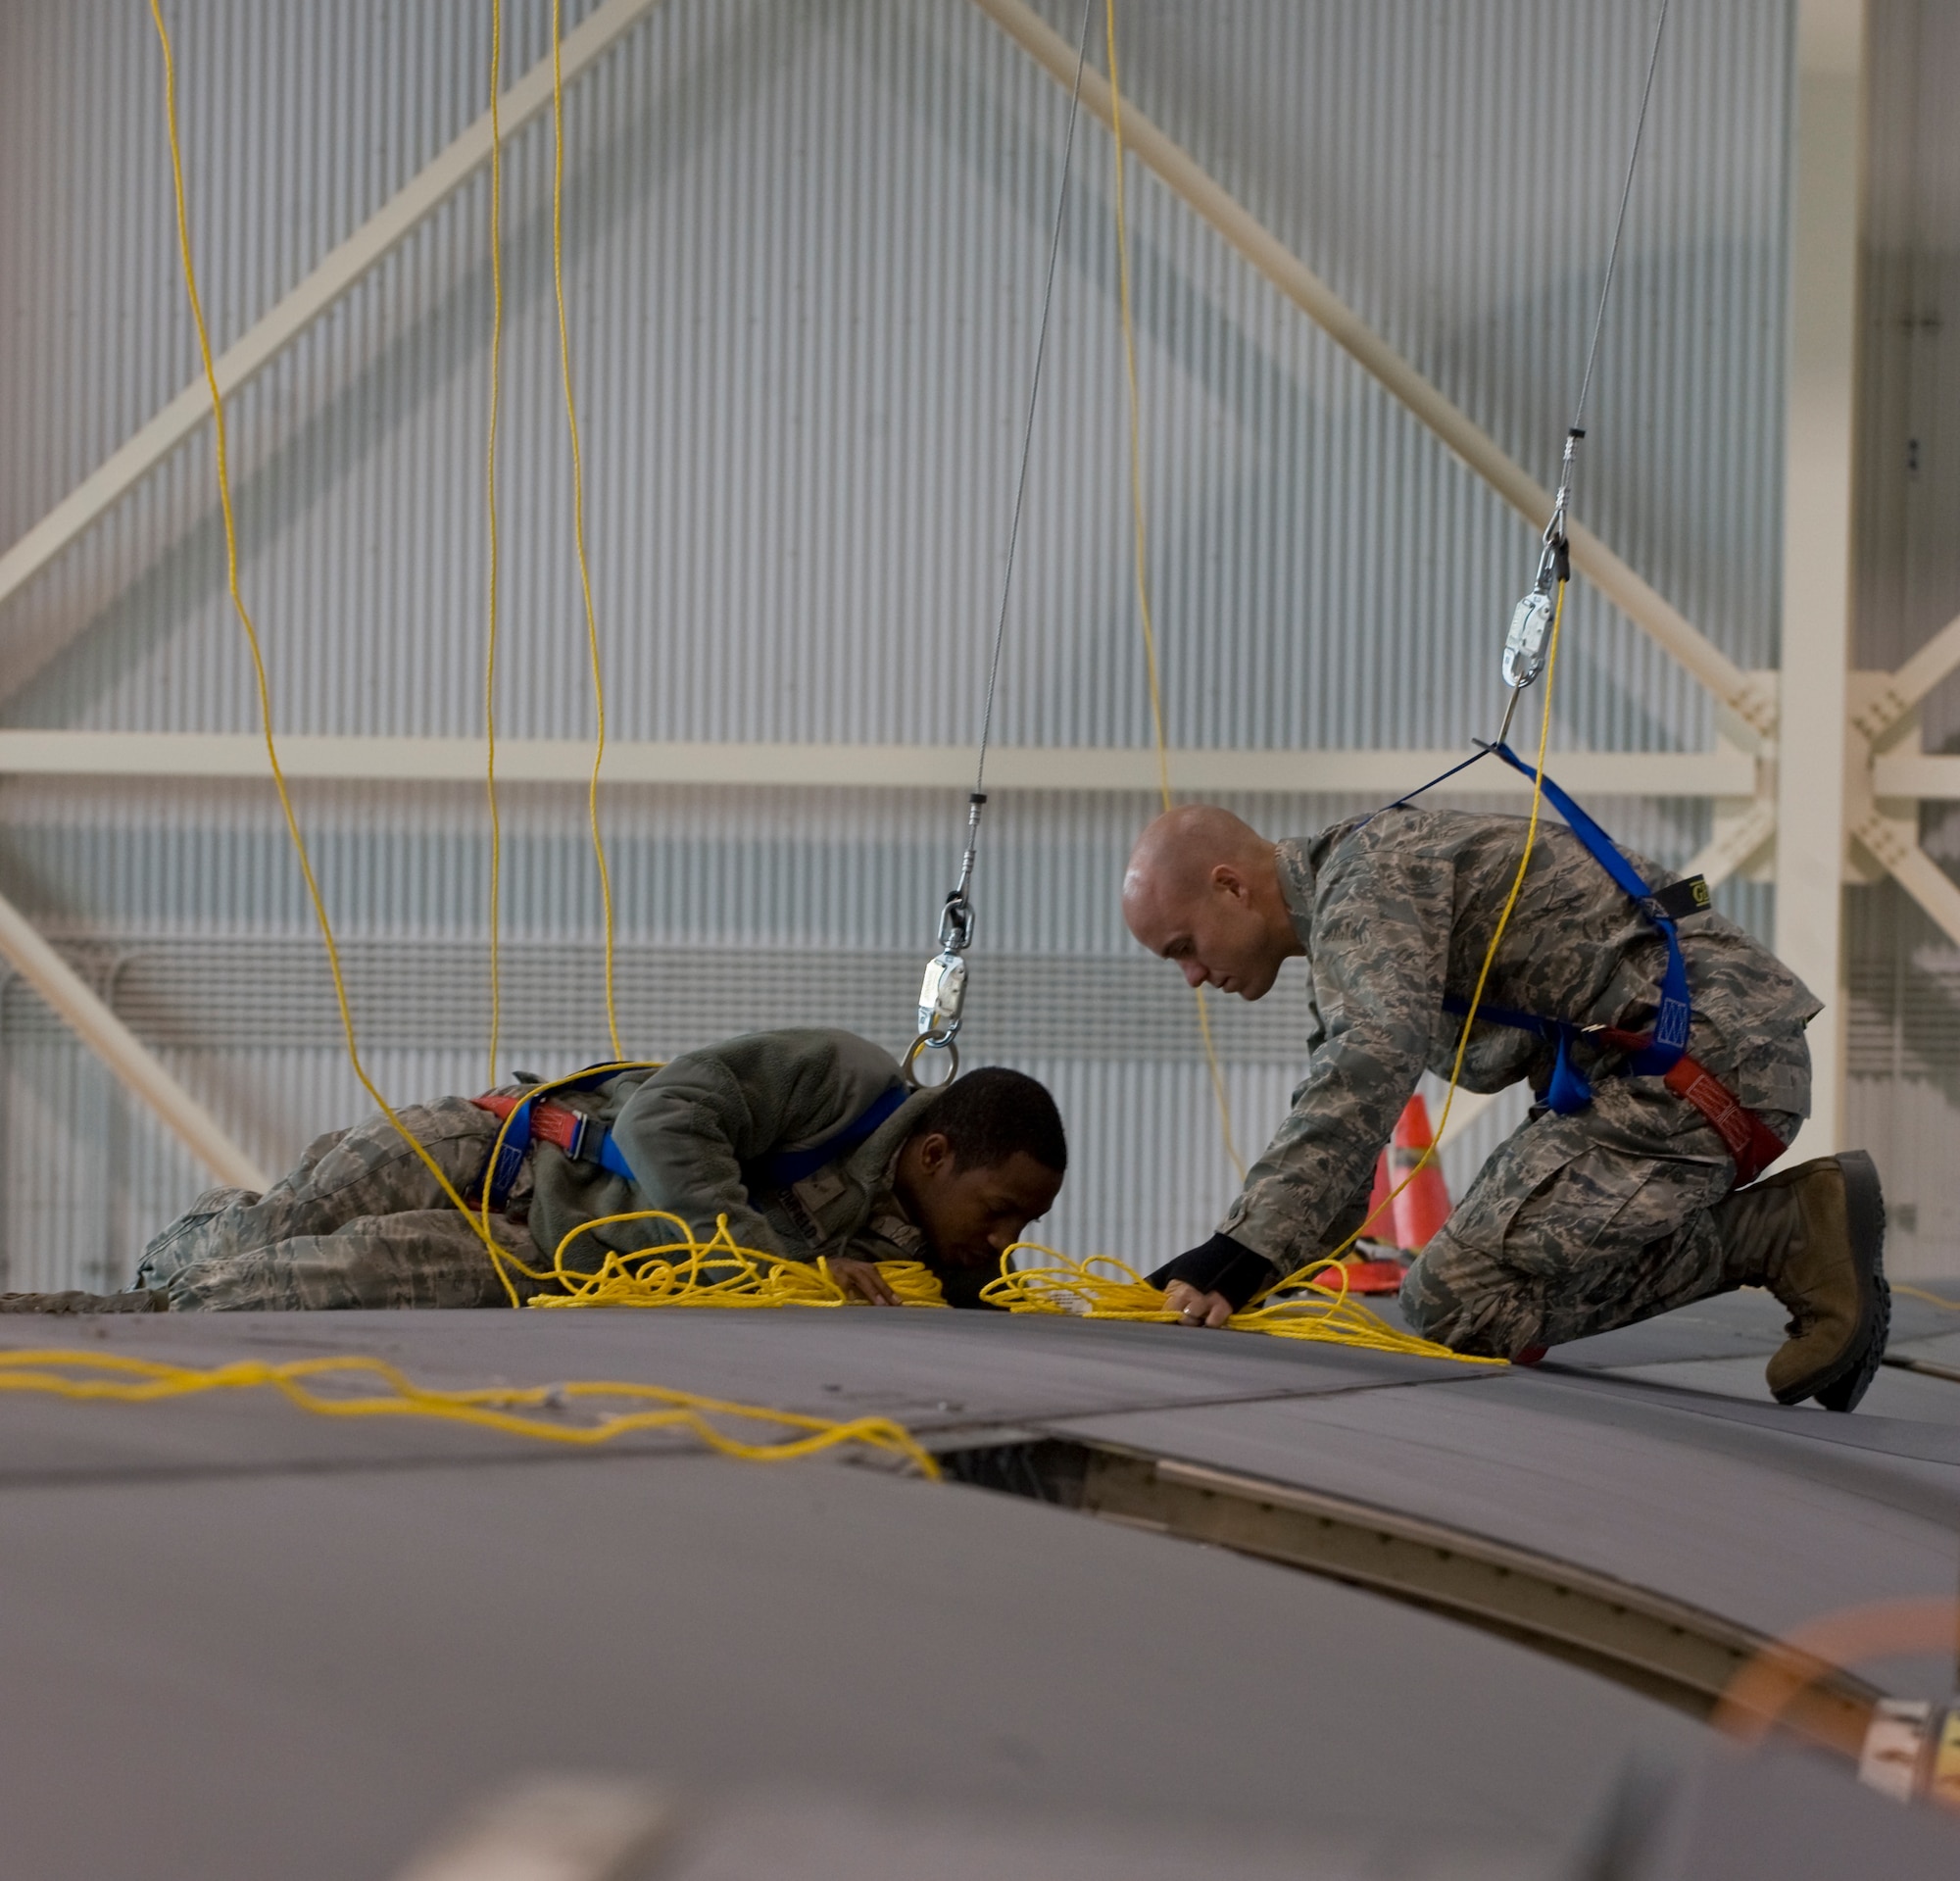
1220	1265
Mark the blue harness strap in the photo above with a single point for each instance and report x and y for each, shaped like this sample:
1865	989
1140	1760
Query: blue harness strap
1650	1055
581	1144
584	1140
790	1167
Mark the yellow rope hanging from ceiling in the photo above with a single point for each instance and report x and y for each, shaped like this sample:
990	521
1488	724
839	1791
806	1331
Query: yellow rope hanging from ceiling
496	910
1140	557
579	527
251	633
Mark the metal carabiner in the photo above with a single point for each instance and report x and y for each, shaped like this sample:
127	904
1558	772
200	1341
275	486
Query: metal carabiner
1531	619
942	995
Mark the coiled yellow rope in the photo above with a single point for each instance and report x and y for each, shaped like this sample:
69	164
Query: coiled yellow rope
1311	1305
688	1272
389	1393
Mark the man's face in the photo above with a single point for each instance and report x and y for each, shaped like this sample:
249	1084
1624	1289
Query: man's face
1215	934
971	1216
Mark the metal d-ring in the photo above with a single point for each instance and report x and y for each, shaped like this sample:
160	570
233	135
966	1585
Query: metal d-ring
926	1042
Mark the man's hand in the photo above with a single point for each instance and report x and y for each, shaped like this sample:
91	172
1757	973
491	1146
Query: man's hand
860	1280
1195	1308
1207	1285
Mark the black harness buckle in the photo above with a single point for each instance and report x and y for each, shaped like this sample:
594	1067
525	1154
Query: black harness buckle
1679	900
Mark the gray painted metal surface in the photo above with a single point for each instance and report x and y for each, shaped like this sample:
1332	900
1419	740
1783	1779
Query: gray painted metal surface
320	1641
1762	1514
316	1643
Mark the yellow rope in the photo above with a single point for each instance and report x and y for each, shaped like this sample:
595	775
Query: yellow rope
490	505
687	1272
100	1375
578	522
1429	1152
252	633
1142	556
1316	1304
1931	1298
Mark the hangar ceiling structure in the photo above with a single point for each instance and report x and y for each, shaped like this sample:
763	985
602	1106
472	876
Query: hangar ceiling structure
1347	388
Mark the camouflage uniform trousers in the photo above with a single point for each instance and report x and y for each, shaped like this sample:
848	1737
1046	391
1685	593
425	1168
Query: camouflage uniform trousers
361	1222
1581	1224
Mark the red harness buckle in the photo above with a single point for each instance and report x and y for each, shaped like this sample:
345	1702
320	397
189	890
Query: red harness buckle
554	1124
1752	1144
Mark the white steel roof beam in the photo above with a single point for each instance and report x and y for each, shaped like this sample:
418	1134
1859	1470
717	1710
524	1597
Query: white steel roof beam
261	343
1185	178
1818	767
1382	773
1906	687
135	1068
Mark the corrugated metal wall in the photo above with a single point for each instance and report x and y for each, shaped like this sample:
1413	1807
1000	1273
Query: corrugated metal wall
1904	1015
803	254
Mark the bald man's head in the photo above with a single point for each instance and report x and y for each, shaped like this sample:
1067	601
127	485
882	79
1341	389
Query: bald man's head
1203	890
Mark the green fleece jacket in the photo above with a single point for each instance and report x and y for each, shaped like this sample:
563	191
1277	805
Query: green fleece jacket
699	1134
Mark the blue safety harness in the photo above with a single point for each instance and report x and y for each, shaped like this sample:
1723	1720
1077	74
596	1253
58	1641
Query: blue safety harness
585	1139
1650	1054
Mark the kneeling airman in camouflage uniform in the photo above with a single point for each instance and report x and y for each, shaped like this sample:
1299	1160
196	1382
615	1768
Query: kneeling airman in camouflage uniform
807	1142
1583	1221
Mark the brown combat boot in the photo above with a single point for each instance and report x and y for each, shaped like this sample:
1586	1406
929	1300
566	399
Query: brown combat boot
139	1301
1815	1237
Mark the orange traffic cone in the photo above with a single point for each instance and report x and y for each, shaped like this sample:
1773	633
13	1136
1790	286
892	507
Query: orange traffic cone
1424	1205
1362	1274
1381	1210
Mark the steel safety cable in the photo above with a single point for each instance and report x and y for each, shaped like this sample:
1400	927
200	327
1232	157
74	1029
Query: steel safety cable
578	523
251	633
490	518
1219	1096
1620	221
1028	430
942	993
1522	649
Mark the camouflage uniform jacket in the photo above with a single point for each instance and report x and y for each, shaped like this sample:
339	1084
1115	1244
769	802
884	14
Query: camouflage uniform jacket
1396	912
699	1134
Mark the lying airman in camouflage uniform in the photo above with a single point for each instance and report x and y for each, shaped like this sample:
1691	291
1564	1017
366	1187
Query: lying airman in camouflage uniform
1579	1222
949	1177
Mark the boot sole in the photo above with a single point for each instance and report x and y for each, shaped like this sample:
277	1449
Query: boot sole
1840	1385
